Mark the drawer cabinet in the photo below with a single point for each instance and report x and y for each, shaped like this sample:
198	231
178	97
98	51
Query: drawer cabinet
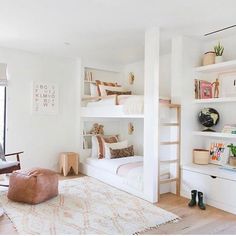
217	191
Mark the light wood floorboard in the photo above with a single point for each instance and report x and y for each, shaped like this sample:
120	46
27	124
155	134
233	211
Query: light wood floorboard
193	220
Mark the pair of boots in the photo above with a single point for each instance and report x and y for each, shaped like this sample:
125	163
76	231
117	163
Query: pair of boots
193	201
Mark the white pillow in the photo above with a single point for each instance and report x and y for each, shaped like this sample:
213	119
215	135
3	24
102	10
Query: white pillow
119	145
103	89
94	147
93	90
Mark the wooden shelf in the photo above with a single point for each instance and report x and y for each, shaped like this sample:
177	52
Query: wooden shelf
170	105
165	181
215	100
215	134
216	68
212	170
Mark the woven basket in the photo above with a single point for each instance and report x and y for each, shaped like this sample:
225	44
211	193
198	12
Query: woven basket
209	58
201	156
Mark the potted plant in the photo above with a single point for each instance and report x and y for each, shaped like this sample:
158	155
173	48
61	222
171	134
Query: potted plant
232	159
219	49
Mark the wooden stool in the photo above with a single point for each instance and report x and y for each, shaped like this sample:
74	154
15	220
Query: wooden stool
68	161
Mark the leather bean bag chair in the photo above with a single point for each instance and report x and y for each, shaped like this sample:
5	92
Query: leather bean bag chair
33	186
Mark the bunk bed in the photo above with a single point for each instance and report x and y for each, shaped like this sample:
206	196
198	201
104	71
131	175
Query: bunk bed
124	173
123	106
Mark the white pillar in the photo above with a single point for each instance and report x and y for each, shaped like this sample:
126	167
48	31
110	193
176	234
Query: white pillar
151	107
79	84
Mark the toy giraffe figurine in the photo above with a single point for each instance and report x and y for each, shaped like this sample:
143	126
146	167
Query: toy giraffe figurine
216	85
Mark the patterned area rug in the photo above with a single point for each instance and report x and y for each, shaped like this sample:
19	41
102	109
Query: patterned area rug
86	206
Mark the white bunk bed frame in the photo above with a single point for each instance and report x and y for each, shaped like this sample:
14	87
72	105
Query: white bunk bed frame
115	180
115	110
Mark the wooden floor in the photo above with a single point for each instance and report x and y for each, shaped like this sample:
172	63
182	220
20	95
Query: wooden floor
193	220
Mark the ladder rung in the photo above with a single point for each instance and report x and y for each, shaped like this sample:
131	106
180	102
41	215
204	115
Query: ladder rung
169	124
164	181
169	161
165	173
170	105
169	143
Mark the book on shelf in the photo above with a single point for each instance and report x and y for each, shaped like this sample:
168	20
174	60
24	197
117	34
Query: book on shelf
88	76
203	89
229	129
228	167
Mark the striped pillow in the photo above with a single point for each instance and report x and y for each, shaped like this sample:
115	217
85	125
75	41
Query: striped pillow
101	144
123	152
99	82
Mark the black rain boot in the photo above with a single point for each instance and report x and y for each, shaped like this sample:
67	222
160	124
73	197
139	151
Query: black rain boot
193	202
200	201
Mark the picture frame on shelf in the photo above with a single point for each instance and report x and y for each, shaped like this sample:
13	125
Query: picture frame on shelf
205	89
228	85
218	152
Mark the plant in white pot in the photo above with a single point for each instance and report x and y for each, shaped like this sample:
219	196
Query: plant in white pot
219	49
232	159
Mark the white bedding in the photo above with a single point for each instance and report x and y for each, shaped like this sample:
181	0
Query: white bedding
134	177
111	165
132	104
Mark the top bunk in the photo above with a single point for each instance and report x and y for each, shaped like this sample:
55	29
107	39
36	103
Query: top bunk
109	94
116	106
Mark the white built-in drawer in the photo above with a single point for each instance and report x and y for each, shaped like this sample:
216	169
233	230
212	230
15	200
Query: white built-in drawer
218	192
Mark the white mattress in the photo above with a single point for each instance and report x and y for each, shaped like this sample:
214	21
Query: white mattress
112	165
134	178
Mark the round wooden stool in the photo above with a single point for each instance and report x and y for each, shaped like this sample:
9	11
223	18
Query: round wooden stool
68	161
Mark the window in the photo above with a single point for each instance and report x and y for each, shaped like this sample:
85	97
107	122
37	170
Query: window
2	115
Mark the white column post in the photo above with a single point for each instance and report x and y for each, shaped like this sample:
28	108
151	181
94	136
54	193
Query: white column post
151	117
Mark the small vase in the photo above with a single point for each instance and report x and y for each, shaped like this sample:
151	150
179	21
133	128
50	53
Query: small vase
232	161
219	59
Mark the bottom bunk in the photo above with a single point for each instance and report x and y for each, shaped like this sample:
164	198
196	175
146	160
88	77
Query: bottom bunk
123	173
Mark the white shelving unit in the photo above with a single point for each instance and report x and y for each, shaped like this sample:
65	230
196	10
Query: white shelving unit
215	134
210	178
217	68
215	100
212	170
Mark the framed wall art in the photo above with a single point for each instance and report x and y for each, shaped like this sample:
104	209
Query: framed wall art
45	98
219	153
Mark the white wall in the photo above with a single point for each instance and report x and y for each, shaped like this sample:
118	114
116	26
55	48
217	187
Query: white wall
165	75
41	137
138	69
227	42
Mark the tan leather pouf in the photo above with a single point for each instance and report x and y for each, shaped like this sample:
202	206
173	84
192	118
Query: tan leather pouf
33	186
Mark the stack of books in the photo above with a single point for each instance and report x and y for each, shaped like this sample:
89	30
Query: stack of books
228	167
203	89
229	129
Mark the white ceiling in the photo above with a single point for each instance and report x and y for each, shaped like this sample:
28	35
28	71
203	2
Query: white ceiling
110	31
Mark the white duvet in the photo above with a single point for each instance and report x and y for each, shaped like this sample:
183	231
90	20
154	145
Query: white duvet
112	165
132	104
134	177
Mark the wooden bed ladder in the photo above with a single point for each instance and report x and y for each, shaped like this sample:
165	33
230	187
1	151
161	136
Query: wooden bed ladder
176	160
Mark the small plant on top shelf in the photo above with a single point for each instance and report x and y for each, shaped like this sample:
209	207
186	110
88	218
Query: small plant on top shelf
219	50
232	159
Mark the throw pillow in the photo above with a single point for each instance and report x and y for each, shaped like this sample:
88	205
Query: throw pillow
124	152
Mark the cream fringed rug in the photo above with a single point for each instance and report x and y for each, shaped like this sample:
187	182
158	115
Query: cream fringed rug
86	206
